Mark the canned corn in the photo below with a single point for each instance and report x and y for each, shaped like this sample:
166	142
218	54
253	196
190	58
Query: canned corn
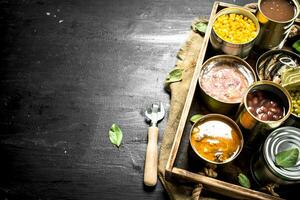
234	31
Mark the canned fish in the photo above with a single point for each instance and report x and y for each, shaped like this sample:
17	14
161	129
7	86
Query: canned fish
223	81
263	166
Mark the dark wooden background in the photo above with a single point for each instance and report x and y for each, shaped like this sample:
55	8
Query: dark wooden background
69	69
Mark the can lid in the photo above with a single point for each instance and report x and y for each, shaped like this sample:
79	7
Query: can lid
282	139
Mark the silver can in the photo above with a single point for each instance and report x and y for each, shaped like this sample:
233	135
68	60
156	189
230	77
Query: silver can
241	50
214	104
273	33
263	166
254	128
270	66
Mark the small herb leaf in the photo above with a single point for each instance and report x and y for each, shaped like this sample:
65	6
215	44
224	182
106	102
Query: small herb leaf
287	158
195	118
201	27
174	76
115	135
243	180
296	45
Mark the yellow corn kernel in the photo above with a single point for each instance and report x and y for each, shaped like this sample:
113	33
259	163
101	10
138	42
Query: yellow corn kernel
235	28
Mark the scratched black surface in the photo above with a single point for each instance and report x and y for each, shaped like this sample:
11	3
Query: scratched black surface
69	69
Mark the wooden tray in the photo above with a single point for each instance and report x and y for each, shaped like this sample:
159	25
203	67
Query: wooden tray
179	165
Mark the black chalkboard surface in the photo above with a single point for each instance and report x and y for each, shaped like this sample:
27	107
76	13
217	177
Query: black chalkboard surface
69	70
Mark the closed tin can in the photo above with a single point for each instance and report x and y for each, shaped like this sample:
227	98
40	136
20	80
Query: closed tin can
254	128
263	166
273	33
241	50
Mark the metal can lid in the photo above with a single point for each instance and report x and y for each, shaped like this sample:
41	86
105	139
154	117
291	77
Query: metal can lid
282	139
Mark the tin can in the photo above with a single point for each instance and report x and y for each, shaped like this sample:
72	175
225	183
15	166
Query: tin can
240	50
274	33
225	128
270	64
269	68
255	128
214	104
263	166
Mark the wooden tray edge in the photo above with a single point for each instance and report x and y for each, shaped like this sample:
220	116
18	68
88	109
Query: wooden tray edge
191	92
222	187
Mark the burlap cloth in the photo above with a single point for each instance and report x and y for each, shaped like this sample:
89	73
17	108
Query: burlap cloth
187	58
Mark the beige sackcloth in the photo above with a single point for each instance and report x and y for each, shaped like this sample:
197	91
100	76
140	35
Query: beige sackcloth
186	60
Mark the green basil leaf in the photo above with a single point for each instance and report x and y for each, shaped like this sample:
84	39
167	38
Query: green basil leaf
243	180
287	158
195	118
174	76
201	27
296	45
115	135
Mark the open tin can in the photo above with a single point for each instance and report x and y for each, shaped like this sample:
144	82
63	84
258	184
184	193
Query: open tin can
272	65
215	70
257	127
215	139
263	166
241	50
274	32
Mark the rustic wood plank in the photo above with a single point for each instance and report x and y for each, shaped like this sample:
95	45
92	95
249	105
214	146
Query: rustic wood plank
221	187
191	92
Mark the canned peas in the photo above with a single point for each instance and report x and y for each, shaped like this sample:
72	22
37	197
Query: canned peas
295	94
